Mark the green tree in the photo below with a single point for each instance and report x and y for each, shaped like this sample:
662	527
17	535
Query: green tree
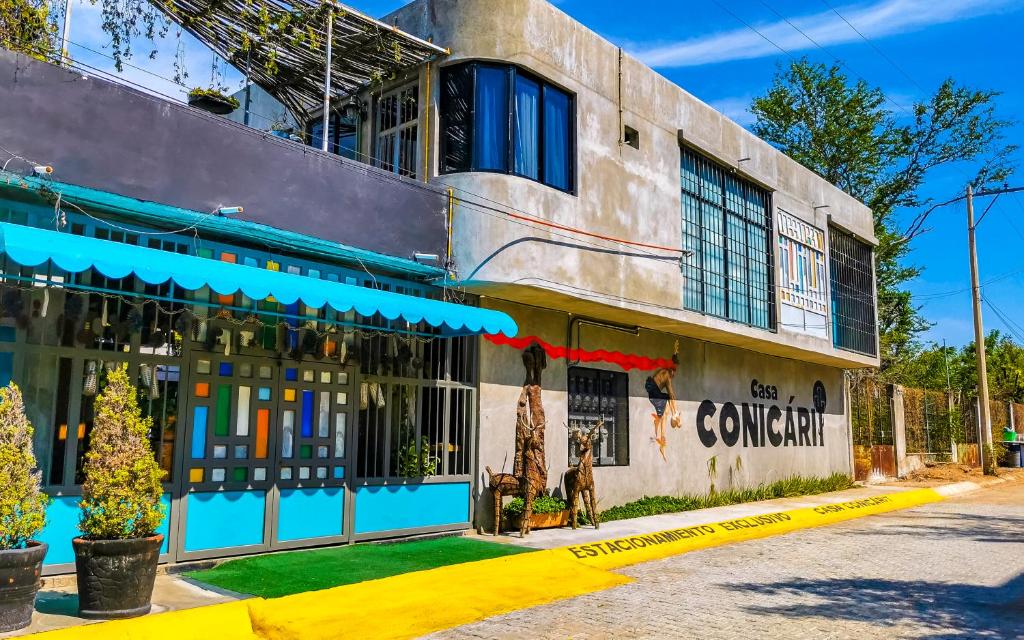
846	132
121	493
25	27
22	502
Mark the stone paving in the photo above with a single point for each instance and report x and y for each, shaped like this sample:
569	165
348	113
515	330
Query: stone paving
953	569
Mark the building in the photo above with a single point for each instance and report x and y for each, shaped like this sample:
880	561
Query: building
697	293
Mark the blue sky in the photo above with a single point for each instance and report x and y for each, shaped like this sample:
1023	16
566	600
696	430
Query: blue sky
705	47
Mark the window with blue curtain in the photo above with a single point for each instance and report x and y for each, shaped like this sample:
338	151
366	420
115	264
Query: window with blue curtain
500	118
490	140
557	119
526	128
727	227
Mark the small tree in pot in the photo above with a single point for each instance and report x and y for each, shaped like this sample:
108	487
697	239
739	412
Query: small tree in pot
116	557
22	514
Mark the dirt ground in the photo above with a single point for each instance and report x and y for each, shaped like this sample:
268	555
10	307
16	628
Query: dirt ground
946	473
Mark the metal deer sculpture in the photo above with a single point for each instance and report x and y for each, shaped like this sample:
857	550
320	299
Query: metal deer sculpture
579	480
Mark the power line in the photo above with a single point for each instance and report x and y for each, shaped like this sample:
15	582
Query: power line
834	56
876	48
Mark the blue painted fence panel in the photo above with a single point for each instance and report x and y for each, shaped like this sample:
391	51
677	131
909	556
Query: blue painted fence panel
224	519
310	513
62	516
409	506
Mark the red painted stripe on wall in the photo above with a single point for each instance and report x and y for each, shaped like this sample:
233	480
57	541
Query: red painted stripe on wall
626	361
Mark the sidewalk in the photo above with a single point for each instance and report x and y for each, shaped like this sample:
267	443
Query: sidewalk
554	538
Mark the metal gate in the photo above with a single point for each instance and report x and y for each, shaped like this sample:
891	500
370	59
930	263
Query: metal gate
872	426
265	459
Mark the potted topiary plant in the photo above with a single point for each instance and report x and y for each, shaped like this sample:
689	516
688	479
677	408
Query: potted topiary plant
22	514
116	557
213	100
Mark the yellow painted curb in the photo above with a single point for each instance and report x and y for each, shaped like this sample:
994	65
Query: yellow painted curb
227	621
414	604
620	552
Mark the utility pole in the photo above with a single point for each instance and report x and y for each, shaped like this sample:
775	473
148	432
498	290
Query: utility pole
984	420
327	80
65	34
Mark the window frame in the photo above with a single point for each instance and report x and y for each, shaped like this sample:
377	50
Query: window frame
721	202
392	164
512	71
620	382
843	270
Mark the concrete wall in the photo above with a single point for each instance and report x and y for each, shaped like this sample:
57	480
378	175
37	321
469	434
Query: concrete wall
109	137
622	192
707	371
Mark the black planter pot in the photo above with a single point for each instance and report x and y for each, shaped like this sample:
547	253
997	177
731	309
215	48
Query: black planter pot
19	583
115	577
213	104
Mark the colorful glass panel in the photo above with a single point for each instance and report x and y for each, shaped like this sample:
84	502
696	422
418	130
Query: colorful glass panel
202	389
196	474
262	432
240	474
242	419
307	414
227	369
289	395
263	394
222	428
324	417
199	417
287	433
306	451
291	374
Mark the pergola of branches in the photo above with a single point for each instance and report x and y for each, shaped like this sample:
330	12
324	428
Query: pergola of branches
282	46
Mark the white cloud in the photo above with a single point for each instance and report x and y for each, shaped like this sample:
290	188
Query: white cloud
876	20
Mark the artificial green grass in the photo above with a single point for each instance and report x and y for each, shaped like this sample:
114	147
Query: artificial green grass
282	574
786	488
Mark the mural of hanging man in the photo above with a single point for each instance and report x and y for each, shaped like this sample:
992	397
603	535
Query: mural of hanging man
663	398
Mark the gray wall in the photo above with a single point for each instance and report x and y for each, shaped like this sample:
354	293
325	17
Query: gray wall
110	137
707	371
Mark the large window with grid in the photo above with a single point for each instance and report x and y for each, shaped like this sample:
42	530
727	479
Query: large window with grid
851	267
727	230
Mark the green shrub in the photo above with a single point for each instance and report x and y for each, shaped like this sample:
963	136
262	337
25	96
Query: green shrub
121	493
786	488
541	505
22	503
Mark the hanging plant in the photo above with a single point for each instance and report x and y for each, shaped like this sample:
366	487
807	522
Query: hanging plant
212	100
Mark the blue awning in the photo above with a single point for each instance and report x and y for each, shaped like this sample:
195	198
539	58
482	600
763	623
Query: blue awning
31	247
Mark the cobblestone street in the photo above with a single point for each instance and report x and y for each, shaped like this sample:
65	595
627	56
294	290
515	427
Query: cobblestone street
954	569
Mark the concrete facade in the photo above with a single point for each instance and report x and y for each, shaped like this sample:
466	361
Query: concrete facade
548	278
621	191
